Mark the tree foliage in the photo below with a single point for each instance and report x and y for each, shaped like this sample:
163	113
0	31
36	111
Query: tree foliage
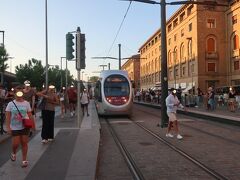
36	74
32	71
93	79
3	58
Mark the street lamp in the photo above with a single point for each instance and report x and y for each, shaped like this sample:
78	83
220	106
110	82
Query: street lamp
61	70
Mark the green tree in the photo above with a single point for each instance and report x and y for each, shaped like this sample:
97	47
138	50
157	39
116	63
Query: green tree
3	58
93	78
32	71
35	73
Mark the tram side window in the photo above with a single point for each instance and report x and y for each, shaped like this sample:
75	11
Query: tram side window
98	92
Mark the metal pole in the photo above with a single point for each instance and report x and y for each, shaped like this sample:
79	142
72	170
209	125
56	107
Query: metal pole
2	77
66	73
164	79
61	72
2	81
46	83
78	100
119	46
82	75
109	66
175	83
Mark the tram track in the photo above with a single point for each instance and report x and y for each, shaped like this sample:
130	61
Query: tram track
200	130
184	154
135	171
132	165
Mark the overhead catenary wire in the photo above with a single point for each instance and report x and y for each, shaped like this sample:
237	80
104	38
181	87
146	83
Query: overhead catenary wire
119	29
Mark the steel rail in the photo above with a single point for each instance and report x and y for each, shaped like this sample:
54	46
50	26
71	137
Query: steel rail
137	175
184	154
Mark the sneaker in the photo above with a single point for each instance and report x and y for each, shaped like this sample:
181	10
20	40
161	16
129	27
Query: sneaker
44	141
179	136
24	164
169	135
71	114
13	157
87	114
50	140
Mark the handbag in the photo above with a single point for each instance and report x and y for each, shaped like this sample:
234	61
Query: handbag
27	123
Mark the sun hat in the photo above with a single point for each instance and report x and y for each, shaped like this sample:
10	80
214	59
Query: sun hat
27	83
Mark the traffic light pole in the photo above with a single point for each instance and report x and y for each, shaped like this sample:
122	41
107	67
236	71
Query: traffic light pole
78	67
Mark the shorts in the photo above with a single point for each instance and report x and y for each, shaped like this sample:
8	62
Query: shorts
72	101
172	116
82	105
21	132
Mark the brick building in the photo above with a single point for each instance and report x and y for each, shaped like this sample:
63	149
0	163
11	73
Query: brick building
202	48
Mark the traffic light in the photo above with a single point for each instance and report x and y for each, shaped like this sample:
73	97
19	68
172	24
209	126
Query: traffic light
69	46
82	51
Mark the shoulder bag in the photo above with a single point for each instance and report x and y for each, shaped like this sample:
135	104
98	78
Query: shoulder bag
27	123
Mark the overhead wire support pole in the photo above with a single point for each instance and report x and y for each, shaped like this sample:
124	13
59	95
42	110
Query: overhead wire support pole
164	78
119	46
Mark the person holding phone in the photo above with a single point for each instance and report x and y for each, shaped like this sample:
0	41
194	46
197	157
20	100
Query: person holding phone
172	104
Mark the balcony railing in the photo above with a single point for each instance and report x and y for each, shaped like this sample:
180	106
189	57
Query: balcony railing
235	52
211	55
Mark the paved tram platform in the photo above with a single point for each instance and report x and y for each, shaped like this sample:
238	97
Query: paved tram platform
73	155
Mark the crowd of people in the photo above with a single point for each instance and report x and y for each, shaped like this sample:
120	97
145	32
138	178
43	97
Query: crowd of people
210	99
22	103
175	99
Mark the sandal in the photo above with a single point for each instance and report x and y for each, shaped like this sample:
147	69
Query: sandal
13	157
24	164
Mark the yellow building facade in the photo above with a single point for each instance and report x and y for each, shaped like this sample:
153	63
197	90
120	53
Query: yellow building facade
132	66
202	48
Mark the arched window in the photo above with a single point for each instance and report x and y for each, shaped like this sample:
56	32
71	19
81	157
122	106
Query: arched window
236	42
190	48
169	58
175	55
156	64
149	68
182	52
211	45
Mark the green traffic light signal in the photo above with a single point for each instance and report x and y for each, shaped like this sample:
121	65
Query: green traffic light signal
69	46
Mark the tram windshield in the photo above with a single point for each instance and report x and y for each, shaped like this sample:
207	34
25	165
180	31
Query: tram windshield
116	85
